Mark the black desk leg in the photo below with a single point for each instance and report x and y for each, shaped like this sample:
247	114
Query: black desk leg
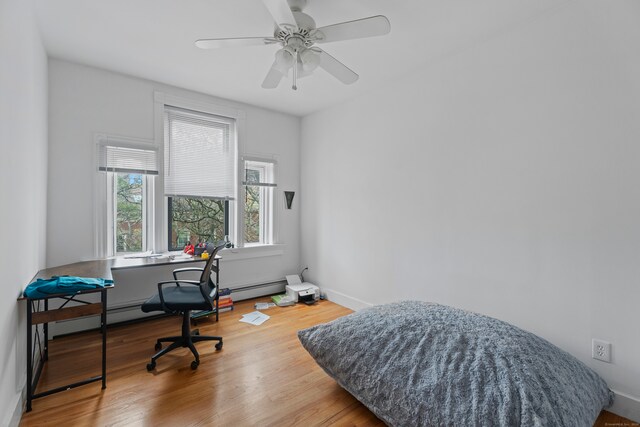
103	327
217	288
29	357
45	327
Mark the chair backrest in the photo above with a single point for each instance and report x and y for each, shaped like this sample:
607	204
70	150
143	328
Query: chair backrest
209	266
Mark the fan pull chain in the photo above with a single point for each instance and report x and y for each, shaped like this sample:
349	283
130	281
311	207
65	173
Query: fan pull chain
295	70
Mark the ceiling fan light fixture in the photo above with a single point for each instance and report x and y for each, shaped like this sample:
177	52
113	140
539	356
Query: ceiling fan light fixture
284	61
309	60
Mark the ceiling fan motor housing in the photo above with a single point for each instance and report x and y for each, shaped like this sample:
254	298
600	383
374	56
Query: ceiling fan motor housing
304	21
297	5
304	30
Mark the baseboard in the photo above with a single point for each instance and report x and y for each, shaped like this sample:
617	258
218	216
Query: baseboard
259	290
626	406
345	300
130	310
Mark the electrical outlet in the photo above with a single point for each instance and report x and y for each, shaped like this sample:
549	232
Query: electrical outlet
601	350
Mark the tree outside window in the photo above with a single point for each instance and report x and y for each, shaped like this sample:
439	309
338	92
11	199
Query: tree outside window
252	207
195	220
129	213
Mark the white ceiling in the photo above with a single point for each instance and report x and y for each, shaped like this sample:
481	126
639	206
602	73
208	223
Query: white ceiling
154	39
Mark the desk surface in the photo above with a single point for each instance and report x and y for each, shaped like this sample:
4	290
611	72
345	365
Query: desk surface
124	263
97	268
102	267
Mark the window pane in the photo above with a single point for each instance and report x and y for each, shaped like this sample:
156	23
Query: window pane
252	208
129	188
195	220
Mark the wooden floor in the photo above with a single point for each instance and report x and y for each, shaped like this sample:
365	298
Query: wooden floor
262	377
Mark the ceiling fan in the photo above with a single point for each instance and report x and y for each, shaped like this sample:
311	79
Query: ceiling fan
296	32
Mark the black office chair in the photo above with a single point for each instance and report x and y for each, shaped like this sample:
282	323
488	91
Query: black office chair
184	296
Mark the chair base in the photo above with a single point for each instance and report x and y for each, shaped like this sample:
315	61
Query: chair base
187	339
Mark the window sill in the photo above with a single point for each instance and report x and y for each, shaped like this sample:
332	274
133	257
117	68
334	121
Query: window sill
248	252
231	254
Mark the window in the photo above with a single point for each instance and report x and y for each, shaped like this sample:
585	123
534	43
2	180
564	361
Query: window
258	200
126	187
199	179
196	220
252	208
128	214
206	194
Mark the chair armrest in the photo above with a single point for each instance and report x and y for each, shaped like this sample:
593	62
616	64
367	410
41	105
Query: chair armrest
177	282
182	270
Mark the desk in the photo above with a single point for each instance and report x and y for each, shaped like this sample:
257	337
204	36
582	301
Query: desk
37	315
38	311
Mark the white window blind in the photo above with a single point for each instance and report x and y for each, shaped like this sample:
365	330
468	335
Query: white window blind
199	155
120	158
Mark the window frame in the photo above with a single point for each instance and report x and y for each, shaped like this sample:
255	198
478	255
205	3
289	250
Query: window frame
104	197
182	185
268	195
156	209
234	215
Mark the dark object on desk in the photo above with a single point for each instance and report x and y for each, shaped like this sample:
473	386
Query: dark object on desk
182	297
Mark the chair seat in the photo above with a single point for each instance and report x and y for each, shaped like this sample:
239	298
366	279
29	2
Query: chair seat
178	298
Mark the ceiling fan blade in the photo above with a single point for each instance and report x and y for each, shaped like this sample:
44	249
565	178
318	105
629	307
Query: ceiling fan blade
234	42
281	13
336	68
367	27
273	78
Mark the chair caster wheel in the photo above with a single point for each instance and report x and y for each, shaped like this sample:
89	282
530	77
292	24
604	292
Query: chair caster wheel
196	332
219	346
194	365
158	346
151	366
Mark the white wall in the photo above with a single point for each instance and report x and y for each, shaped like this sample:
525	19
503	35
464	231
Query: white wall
23	171
85	101
503	179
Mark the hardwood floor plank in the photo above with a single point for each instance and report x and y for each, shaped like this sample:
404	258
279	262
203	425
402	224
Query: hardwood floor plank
262	376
